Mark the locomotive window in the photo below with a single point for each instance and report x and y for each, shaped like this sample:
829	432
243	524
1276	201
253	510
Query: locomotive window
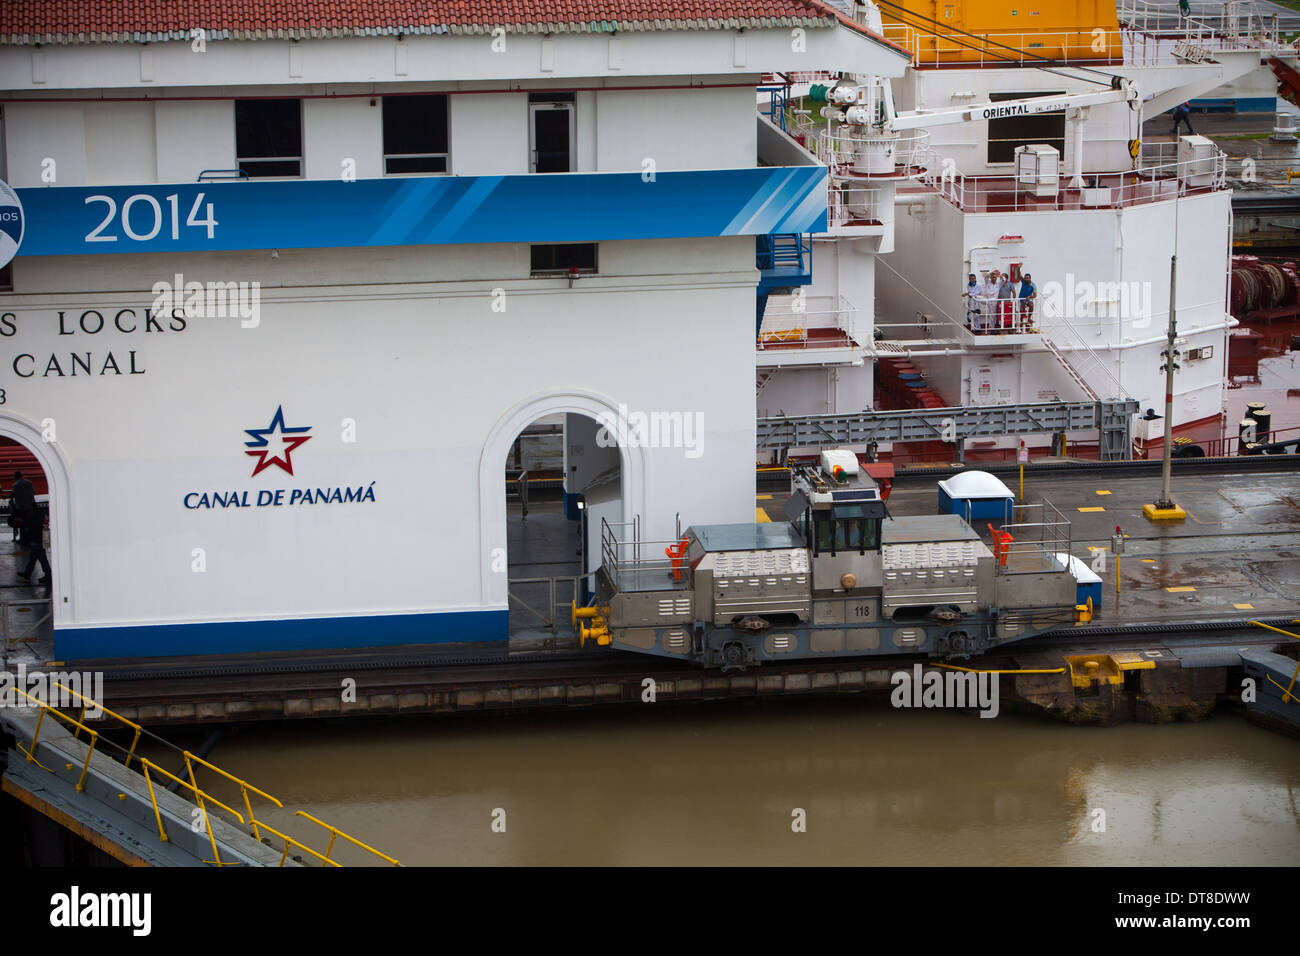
848	533
825	535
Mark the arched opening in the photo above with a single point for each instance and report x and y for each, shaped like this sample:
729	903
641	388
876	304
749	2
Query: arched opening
528	564
31	607
563	478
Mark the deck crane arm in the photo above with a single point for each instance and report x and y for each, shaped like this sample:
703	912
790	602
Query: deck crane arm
1123	91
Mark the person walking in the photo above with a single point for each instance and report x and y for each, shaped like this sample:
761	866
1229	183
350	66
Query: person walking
22	498
34	538
1183	116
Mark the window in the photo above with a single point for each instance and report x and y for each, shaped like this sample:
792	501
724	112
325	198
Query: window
415	134
564	259
268	137
1011	131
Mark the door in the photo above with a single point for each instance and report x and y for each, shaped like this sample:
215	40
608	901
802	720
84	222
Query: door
550	137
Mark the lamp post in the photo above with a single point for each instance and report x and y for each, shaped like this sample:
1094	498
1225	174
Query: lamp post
1165	509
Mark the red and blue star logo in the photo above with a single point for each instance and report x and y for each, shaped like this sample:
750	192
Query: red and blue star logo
289	438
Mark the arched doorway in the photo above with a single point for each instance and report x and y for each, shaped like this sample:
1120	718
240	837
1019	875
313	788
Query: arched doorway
23	448
618	491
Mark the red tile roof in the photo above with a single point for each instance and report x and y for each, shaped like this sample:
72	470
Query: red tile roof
99	21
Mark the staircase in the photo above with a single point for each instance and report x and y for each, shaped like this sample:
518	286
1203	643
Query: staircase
784	260
1084	367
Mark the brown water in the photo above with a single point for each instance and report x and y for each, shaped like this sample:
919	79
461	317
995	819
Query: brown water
718	785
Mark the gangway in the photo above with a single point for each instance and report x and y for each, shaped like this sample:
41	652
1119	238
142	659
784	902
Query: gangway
1111	418
124	807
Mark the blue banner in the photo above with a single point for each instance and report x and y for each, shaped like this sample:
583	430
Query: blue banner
305	214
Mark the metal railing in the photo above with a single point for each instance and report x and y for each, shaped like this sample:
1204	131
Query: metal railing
637	565
963	50
1102	190
785	325
520	493
993	315
28	635
1235	25
1089	369
149	768
548	619
850	203
850	150
1037	533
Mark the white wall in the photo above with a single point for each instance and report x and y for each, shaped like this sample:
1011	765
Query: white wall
335	130
693	129
489	134
424	369
35	132
192	137
120	143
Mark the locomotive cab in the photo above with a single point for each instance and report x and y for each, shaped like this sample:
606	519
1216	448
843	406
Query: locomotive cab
839	509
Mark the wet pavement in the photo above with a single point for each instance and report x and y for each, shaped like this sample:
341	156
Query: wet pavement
24	608
1236	555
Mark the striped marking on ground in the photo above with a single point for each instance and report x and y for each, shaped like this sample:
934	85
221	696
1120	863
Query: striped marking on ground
1148	560
762	497
1093	508
1244	607
1100	492
760	516
1180	590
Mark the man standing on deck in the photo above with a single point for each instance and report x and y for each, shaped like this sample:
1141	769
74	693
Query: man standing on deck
989	301
972	307
1183	114
1028	292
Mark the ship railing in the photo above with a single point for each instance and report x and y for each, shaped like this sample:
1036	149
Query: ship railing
991	315
1237	24
636	565
1029	543
1092	370
787	319
1281	439
149	769
964	50
905	154
1150	182
852	204
800	76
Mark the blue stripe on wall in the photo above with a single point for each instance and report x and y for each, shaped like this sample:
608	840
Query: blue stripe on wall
299	634
308	214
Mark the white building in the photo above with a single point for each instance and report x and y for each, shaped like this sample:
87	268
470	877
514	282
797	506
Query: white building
399	286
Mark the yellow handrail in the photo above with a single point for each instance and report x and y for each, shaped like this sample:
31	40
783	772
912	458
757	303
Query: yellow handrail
200	796
1287	695
244	787
336	832
288	840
